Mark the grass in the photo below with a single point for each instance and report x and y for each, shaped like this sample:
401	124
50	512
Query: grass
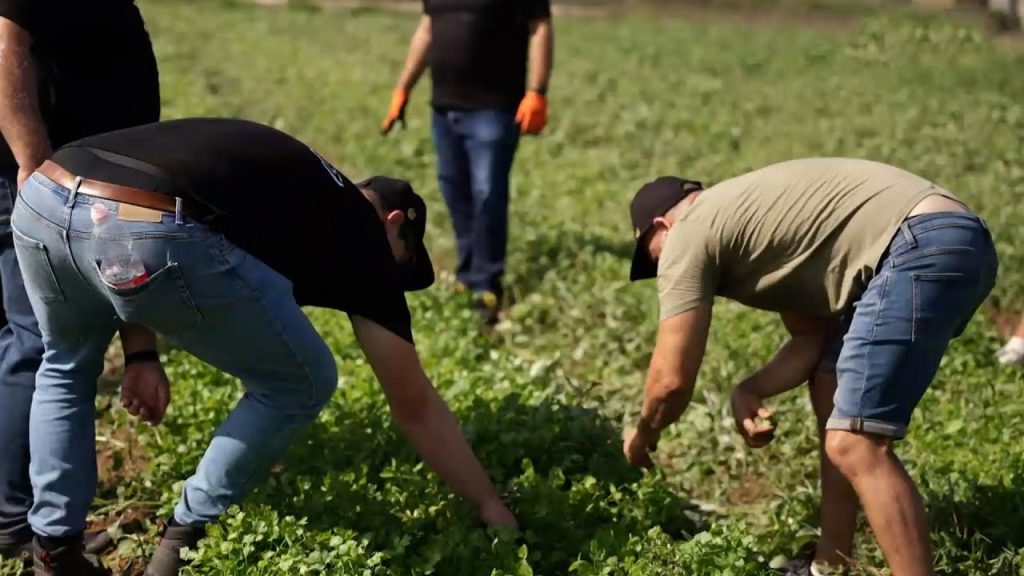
544	401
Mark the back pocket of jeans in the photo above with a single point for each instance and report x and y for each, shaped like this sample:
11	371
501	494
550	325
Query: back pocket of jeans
36	269
939	299
161	302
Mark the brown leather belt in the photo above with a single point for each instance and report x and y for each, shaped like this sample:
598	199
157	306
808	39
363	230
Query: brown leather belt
107	191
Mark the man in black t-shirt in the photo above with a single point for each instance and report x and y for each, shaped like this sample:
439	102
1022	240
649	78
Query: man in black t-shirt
477	51
68	69
213	233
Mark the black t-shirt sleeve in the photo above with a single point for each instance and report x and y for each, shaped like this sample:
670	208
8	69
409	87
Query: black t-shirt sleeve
366	272
388	310
17	11
536	9
376	294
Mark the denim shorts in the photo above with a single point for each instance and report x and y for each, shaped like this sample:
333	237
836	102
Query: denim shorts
935	274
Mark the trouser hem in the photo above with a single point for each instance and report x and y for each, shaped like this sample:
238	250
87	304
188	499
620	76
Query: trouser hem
16	537
863	425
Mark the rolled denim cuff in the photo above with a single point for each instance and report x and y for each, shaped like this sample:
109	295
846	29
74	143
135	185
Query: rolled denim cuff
888	429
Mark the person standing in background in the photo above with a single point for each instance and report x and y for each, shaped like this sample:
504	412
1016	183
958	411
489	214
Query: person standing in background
68	69
478	51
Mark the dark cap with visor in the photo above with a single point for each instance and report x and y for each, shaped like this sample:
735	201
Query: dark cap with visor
395	194
654	199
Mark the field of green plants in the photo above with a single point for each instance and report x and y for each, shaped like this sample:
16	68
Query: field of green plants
544	400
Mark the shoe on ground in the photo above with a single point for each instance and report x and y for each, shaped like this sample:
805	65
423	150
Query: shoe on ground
64	557
805	566
166	560
94	543
97	543
1012	354
488	306
796	567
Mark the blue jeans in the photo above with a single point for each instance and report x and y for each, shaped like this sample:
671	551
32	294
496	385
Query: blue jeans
204	295
21	351
937	271
475	149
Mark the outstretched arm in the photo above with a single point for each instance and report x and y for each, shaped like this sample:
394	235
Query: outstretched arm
425	419
677	356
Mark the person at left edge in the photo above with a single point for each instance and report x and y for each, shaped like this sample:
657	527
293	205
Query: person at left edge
237	225
68	69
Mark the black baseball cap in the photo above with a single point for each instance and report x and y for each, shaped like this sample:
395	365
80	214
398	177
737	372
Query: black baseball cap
395	194
654	199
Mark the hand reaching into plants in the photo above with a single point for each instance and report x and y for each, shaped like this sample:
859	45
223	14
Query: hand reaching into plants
495	513
638	445
146	391
746	409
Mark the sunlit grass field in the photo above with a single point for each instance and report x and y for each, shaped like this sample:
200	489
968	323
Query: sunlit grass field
544	400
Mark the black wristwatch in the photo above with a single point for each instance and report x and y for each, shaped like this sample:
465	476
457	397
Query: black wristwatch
542	90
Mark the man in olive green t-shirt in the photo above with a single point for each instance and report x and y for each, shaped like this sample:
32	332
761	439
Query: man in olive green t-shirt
839	247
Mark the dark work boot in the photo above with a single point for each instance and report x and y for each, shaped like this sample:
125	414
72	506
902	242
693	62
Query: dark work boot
488	306
98	542
64	557
167	560
94	543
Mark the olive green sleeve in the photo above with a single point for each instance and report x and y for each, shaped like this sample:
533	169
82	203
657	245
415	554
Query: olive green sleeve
687	270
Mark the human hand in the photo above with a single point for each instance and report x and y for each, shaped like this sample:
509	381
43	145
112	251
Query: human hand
637	445
25	171
532	115
145	391
495	513
746	406
396	111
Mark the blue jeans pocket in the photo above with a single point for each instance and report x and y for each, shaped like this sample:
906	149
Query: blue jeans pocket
36	268
161	302
938	298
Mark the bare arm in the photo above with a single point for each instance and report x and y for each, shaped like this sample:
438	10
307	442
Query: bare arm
798	358
678	353
542	49
20	120
677	356
424	417
416	59
791	366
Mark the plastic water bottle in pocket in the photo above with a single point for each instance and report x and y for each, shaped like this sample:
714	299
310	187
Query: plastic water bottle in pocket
119	267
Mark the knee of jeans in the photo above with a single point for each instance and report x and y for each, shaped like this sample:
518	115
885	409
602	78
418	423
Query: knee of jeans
323	375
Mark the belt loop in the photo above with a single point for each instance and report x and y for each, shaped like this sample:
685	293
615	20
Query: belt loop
908	235
74	191
177	211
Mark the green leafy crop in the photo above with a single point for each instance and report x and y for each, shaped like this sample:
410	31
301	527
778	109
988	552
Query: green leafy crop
544	400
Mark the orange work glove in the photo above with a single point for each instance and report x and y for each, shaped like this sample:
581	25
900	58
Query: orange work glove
396	110
532	115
